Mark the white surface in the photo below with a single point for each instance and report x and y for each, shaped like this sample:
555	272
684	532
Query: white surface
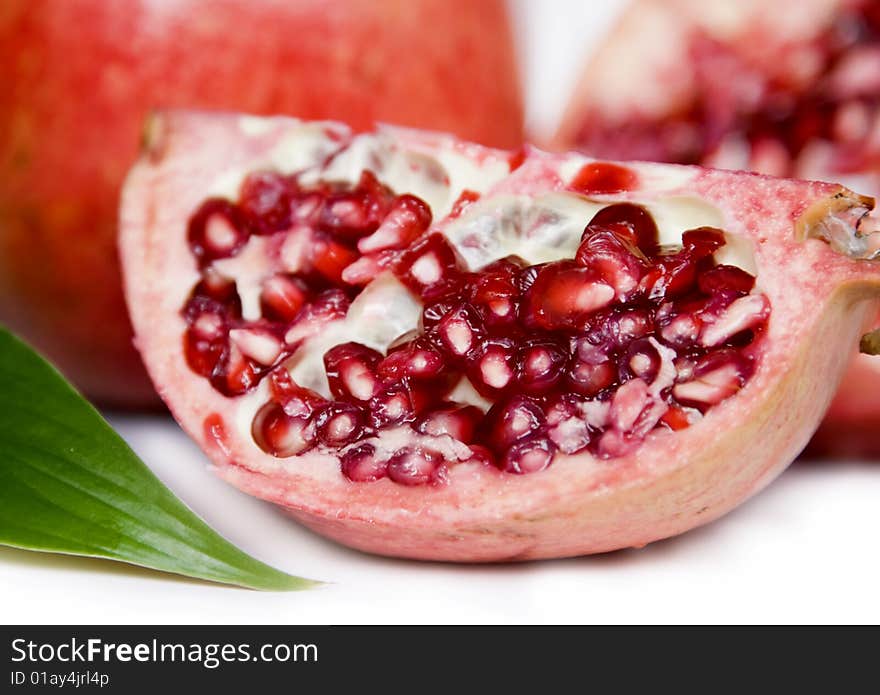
804	550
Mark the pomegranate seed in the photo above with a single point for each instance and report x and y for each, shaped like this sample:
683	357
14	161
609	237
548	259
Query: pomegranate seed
458	421
351	371
603	177
495	293
540	365
458	332
306	208
530	455
511	419
339	424
746	313
282	297
398	404
614	259
628	403
716	377
491	366
408	218
218	229
360	464
264	198
703	241
414	466
329	258
589	379
725	278
280	434
294	399
672	277
417	359
641	360
329	305
430	268
205	343
677	418
563	296
236	374
356	213
641	228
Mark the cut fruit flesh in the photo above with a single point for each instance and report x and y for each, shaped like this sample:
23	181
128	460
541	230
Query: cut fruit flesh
627	464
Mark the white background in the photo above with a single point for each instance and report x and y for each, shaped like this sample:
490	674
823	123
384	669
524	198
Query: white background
805	550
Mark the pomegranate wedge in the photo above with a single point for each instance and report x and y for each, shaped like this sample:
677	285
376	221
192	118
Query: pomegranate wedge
789	88
425	348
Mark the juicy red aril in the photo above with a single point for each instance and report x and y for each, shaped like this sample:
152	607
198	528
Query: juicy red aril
217	230
280	434
282	297
351	371
511	419
407	219
264	198
431	267
589	379
235	373
414	466
356	213
458	332
531	455
495	293
329	258
564	295
417	359
673	276
726	278
540	365
339	424
608	252
642	360
458	421
603	177
640	226
491	366
703	241
205	342
361	465
715	377
398	404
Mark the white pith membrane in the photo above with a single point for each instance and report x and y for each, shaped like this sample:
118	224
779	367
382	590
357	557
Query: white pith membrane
537	226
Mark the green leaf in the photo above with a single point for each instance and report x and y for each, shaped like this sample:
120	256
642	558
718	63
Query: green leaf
70	484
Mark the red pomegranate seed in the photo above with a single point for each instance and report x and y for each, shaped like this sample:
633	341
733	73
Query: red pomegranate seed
628	403
516	158
641	228
491	366
236	374
280	434
218	229
414	466
407	219
716	377
703	241
540	364
431	268
329	305
356	213
306	208
399	403
589	379
603	177
530	455
205	343
495	294
361	465
725	278
416	358
641	360
676	419
563	296
351	371
282	297
293	398
458	421
617	261
673	276
339	424
329	258
746	313
569	429
511	419
264	198
458	332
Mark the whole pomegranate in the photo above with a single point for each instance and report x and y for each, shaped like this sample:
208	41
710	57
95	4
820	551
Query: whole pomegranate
427	348
789	88
79	76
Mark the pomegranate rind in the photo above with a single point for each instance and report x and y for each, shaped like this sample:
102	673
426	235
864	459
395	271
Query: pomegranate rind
673	482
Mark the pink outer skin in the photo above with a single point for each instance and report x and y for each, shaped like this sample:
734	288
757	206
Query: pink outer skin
674	482
642	69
